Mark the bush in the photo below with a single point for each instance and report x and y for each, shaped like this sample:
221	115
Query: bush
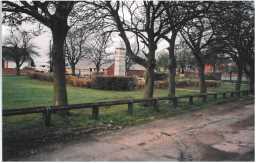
71	80
140	83
161	84
213	83
160	76
181	83
78	82
114	83
184	83
213	76
195	83
40	76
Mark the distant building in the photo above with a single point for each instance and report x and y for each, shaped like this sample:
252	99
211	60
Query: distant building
9	67
135	70
114	67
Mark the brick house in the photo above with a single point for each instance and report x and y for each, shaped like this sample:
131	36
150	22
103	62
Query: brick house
135	70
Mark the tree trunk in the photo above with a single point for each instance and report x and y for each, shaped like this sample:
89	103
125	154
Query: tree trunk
172	67
251	83
182	69
149	83
202	83
214	68
97	69
249	71
230	75
73	69
252	76
150	75
239	79
17	70
59	33
51	69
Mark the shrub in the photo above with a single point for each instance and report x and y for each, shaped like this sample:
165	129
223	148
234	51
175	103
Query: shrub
213	76
160	76
114	83
181	83
161	84
78	82
213	83
195	83
40	76
70	79
140	83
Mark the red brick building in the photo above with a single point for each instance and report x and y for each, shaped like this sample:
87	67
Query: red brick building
135	70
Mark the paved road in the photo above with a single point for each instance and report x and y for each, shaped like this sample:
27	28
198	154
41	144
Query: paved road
222	132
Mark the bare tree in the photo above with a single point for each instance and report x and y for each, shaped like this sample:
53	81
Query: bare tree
97	49
198	35
234	26
183	56
140	20
19	48
177	14
128	61
162	60
53	14
75	46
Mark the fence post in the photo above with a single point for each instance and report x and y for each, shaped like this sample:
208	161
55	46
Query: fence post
47	116
155	105
231	94
204	97
224	95
247	92
130	107
190	100
238	94
175	102
95	112
215	96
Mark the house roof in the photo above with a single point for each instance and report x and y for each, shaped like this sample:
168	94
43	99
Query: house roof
86	64
137	67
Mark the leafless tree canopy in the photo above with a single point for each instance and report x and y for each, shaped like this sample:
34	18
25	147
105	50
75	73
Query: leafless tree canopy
97	49
75	46
19	48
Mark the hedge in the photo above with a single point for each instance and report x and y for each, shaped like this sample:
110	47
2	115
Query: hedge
160	76
181	83
187	83
119	83
114	83
78	82
40	76
71	80
213	76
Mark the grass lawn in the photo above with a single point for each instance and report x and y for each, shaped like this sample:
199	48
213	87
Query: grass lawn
23	92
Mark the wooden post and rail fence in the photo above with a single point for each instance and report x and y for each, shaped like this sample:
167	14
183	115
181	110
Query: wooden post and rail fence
95	107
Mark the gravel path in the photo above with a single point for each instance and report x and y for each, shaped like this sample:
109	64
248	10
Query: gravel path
221	132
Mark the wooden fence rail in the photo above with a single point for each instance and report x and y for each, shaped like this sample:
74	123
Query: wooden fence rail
47	110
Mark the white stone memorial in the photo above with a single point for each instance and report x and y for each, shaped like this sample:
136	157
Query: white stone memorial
119	69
